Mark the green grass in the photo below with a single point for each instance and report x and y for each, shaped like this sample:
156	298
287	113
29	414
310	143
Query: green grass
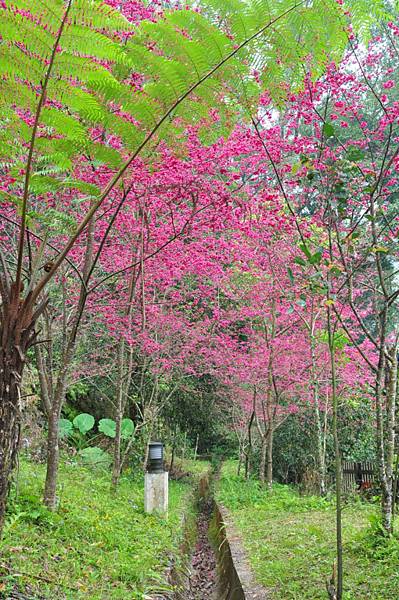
196	467
96	546
291	545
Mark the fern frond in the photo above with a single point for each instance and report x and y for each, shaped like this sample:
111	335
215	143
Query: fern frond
88	42
15	64
41	184
217	44
98	15
131	136
41	11
17	29
364	15
89	189
12	90
55	153
64	124
144	111
193	62
105	155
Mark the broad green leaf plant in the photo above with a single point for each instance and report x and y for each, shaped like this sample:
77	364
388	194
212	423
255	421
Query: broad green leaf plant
76	432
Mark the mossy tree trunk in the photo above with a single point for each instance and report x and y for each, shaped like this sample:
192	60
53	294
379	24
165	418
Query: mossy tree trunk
17	334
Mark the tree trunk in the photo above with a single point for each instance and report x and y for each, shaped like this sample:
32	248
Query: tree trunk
269	467
270	413
123	385
321	467
16	336
11	368
146	454
321	459
395	489
147	448
338	465
53	457
53	437
248	454
116	466
386	492
262	464
388	502
172	458
56	402
384	438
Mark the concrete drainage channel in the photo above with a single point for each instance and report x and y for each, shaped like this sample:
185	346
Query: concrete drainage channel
203	572
214	563
236	581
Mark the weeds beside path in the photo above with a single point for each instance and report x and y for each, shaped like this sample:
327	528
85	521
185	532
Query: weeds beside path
290	542
97	546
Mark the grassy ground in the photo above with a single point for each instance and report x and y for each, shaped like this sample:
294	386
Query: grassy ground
290	542
97	546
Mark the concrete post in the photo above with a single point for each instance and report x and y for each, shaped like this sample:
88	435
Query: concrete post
156	492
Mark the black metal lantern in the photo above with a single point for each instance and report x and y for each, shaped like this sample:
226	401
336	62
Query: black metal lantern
155	457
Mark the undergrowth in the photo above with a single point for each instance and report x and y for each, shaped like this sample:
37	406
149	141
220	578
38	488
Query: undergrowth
97	546
290	541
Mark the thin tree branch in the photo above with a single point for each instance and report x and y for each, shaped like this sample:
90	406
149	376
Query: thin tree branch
29	161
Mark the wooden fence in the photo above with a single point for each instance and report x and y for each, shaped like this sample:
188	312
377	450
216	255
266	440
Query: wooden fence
358	476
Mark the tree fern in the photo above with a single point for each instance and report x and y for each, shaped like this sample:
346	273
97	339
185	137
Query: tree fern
189	62
365	15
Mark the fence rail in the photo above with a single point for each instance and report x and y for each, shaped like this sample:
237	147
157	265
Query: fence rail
358	476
